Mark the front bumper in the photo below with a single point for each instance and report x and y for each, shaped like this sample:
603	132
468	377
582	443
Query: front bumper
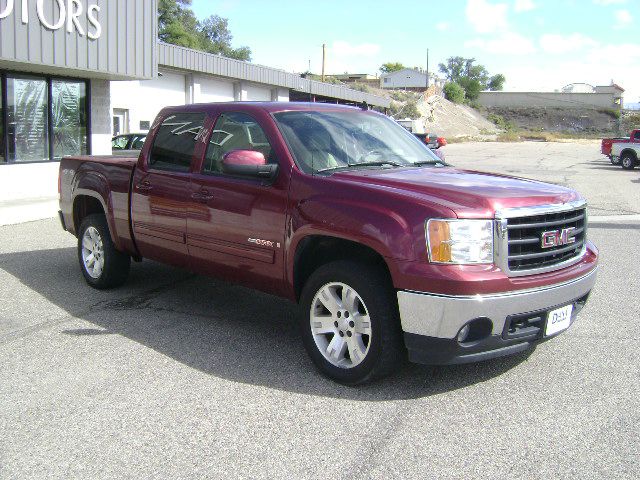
517	320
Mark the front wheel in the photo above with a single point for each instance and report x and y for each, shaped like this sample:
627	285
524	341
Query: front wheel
628	161
102	265
350	322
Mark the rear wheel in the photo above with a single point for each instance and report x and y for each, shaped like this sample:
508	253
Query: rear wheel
628	161
102	265
614	160
350	325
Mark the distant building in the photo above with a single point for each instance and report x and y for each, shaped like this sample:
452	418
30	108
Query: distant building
409	79
575	95
354	77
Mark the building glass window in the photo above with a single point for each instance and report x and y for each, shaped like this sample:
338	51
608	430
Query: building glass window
2	159
69	118
27	119
42	118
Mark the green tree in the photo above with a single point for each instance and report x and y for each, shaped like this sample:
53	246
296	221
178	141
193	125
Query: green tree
496	82
472	78
391	67
217	38
178	25
453	92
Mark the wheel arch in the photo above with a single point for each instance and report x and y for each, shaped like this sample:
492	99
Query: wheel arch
313	251
88	202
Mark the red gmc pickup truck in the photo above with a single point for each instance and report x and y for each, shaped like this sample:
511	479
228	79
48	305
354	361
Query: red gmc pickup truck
386	249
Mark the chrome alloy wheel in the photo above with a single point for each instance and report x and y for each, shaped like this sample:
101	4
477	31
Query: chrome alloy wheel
93	252
340	325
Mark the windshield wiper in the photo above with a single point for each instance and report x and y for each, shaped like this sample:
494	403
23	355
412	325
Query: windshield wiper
380	163
429	162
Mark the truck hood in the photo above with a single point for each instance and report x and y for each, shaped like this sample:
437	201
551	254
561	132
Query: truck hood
468	193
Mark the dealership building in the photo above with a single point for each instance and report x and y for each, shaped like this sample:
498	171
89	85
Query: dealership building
74	72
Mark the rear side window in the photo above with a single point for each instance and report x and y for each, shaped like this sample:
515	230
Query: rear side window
636	135
175	142
235	131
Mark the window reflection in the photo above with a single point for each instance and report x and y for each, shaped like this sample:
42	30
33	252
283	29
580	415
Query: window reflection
69	118
2	159
27	127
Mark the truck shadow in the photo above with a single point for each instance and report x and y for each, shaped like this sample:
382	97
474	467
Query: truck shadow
221	329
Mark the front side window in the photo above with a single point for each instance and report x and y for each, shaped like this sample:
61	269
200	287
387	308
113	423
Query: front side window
637	135
28	125
324	141
175	142
235	131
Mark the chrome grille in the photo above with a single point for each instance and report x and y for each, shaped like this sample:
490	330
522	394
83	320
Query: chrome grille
524	238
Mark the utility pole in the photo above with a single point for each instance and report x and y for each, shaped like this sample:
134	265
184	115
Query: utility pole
427	69
324	58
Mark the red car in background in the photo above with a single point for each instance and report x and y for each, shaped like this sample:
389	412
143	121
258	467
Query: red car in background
605	148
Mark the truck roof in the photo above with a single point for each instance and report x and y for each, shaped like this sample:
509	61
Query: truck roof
271	107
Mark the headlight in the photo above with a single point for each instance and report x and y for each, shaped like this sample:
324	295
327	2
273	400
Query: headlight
460	241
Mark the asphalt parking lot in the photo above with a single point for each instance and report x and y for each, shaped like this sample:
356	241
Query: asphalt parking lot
180	376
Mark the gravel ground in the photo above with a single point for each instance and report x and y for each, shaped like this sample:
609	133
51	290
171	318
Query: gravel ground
179	376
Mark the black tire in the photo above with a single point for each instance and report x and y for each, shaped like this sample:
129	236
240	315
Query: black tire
116	264
614	160
628	161
386	349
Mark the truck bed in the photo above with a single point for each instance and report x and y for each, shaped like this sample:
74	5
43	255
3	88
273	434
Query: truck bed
106	179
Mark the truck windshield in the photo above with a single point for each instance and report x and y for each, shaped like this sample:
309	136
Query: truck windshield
328	141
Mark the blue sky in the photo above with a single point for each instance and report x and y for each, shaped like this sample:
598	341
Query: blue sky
536	44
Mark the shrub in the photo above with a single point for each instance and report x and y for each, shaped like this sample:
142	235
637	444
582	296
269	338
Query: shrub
500	122
411	110
612	112
408	110
361	87
453	92
402	96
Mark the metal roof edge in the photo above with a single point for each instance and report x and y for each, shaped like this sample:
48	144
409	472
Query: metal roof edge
183	58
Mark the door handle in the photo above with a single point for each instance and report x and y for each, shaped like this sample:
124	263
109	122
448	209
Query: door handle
202	196
144	186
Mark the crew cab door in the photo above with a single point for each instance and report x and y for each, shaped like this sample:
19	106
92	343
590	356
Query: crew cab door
161	189
236	225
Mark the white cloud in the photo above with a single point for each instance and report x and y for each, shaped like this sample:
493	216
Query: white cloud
524	5
560	44
507	43
609	2
596	66
487	17
344	56
624	18
346	49
443	26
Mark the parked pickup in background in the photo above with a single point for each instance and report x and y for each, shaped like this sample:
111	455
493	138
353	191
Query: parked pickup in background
386	249
607	143
625	154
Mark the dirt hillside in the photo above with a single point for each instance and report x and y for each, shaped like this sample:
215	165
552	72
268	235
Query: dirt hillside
453	120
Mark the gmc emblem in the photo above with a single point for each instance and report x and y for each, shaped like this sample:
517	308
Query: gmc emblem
557	238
